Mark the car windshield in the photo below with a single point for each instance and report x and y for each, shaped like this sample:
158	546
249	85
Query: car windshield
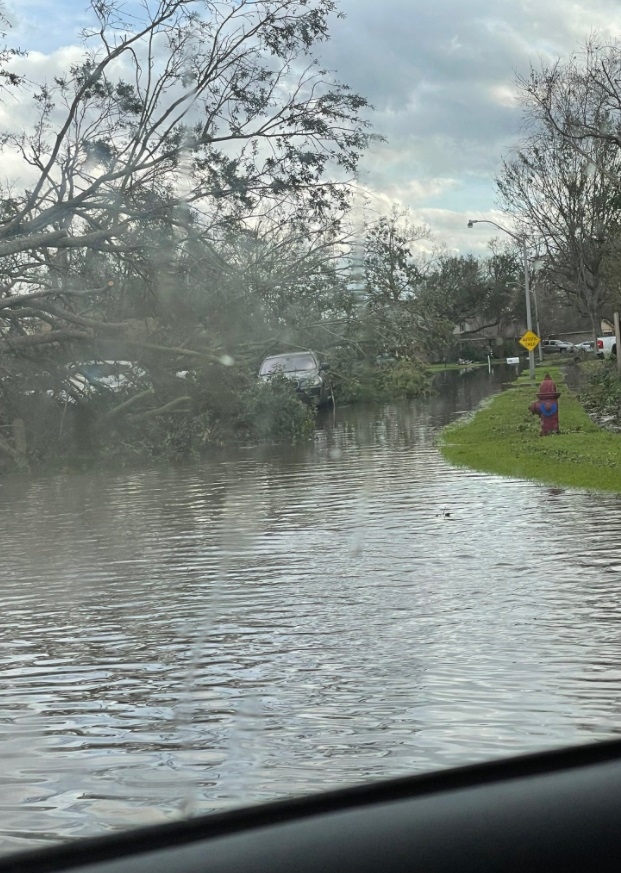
91	371
288	364
221	588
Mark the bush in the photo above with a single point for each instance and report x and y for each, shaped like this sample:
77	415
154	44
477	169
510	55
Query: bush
351	375
272	410
474	351
603	390
403	377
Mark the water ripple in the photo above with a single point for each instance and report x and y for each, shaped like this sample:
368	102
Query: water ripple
278	622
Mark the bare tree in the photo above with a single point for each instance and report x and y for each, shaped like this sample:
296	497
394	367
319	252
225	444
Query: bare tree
9	79
580	99
566	197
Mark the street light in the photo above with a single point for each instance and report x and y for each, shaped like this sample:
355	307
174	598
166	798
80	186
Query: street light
521	239
539	349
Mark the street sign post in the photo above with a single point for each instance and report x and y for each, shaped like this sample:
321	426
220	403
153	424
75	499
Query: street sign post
530	340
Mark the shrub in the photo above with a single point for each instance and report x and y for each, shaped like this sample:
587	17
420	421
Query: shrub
603	390
272	410
351	375
474	351
403	377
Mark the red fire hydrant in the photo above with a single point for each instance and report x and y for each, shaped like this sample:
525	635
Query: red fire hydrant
546	407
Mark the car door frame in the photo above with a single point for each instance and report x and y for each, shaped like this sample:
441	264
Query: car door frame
557	810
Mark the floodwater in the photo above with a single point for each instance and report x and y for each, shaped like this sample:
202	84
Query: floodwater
277	621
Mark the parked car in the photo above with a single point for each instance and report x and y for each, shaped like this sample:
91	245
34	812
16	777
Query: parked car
303	368
87	378
606	346
556	346
586	346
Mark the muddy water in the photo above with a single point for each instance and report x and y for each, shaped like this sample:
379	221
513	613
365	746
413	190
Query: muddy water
276	622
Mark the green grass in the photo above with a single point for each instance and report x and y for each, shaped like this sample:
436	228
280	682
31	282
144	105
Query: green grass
503	437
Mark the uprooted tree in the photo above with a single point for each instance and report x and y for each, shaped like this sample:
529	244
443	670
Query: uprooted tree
157	170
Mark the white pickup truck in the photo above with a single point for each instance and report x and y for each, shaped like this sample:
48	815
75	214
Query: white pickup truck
606	346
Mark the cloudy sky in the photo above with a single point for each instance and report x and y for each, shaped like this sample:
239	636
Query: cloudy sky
440	74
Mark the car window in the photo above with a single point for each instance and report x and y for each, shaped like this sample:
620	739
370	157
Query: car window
220	589
288	364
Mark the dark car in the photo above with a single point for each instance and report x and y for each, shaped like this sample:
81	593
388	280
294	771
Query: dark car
303	368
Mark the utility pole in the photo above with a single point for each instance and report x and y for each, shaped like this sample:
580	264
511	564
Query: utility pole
529	317
521	239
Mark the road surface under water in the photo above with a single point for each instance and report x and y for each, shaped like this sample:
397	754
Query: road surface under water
273	622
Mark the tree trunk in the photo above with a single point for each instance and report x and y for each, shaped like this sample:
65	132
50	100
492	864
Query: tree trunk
20	443
595	320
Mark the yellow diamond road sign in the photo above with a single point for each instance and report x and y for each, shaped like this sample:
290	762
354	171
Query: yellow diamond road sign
530	340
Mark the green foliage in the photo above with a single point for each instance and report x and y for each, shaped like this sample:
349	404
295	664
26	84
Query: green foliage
403	377
226	406
412	307
243	252
463	290
355	379
272	410
391	322
474	351
164	438
351	375
391	272
602	393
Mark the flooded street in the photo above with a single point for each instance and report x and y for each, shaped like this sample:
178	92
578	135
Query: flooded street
275	621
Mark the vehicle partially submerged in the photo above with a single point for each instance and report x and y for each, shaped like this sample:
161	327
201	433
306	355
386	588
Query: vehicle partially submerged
305	369
105	377
111	375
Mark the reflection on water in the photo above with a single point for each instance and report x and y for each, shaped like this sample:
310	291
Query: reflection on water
277	622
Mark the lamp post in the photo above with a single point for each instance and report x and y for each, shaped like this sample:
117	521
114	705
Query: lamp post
521	239
539	349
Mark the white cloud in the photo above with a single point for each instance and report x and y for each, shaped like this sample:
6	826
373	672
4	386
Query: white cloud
504	95
440	74
442	79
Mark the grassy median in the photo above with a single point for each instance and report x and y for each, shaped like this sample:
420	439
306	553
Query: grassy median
503	437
